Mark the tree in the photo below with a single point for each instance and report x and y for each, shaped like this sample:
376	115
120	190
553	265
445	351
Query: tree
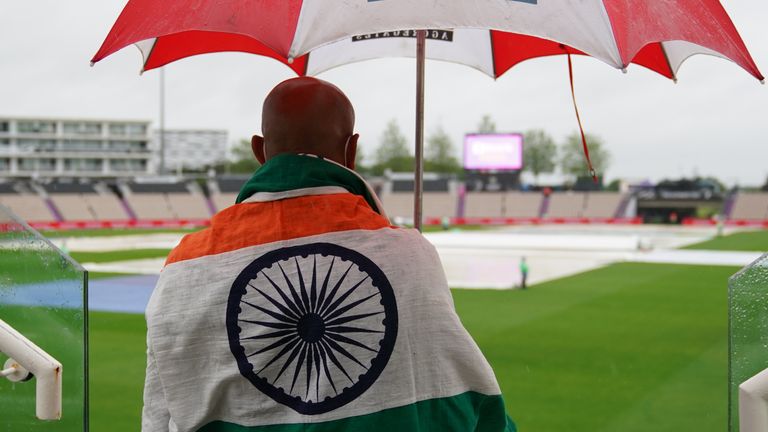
243	161
539	153
393	152
360	166
487	125
439	155
573	161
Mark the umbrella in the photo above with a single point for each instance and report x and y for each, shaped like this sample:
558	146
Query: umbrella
311	36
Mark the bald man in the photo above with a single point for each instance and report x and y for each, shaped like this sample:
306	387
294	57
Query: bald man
301	309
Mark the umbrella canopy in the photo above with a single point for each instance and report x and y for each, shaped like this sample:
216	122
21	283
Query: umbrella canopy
656	34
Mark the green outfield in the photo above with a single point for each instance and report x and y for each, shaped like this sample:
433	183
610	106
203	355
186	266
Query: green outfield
630	347
119	255
109	232
750	241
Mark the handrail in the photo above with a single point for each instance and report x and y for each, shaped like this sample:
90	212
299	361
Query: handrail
25	355
753	403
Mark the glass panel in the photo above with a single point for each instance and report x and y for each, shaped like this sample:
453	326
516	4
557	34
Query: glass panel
43	296
82	128
36	127
748	293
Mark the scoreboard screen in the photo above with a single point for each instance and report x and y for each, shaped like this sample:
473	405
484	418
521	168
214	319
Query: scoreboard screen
493	152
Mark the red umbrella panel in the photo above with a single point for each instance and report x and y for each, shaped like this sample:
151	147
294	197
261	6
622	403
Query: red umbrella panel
655	34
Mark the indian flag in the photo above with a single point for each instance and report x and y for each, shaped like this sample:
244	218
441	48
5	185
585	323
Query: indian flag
304	310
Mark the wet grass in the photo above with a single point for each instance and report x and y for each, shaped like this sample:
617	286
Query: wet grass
110	232
748	241
119	255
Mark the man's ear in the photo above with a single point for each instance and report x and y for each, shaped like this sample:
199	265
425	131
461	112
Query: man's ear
257	145
351	151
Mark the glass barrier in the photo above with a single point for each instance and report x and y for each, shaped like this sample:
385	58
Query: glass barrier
43	295
748	328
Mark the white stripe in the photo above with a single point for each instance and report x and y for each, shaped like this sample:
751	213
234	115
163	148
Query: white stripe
145	47
433	355
582	24
680	51
468	47
276	196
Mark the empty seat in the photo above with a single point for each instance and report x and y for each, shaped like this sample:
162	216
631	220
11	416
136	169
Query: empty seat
72	206
189	206
223	200
31	208
566	205
602	204
106	207
398	204
438	204
483	204
750	206
522	205
150	206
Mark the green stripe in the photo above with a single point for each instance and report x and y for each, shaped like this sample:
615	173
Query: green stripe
467	412
290	171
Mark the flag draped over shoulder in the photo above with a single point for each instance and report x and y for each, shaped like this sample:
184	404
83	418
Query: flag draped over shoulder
301	309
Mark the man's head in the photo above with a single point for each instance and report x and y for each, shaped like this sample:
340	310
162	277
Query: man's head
307	115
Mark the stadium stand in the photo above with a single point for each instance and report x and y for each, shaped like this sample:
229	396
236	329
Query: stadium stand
106	206
602	204
25	204
68	199
159	201
522	205
440	199
84	202
750	206
484	205
224	191
566	205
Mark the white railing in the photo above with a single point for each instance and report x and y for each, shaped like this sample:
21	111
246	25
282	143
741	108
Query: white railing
27	360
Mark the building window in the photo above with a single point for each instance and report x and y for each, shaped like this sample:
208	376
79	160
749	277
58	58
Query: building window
5	164
36	145
128	165
117	129
127	146
46	127
27	164
37	164
81	145
83	165
82	128
4	126
46	164
136	129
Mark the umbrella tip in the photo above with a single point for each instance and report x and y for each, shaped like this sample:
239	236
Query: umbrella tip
762	81
290	60
674	80
624	70
92	63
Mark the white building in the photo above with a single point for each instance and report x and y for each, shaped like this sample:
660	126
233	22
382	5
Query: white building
191	149
55	147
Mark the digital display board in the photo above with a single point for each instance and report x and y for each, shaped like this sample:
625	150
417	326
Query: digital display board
493	152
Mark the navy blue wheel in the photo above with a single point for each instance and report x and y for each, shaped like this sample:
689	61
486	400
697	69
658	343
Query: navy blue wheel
312	326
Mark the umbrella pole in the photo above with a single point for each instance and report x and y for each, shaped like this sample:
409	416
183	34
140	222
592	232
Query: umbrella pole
421	42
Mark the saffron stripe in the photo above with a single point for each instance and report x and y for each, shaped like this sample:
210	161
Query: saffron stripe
251	224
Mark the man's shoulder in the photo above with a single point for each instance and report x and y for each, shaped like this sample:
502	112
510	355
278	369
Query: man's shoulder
258	223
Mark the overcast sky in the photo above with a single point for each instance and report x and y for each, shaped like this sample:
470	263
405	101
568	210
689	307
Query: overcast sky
713	122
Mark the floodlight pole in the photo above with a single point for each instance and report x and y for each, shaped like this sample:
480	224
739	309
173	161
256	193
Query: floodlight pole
421	42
